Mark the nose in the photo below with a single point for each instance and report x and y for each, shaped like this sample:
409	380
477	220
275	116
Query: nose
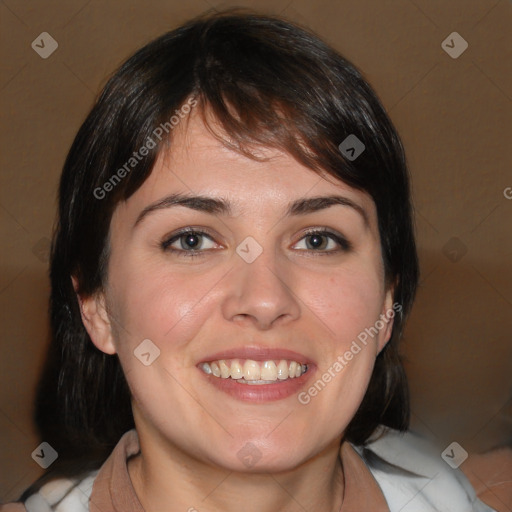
261	293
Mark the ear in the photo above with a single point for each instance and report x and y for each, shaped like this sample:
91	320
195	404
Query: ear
387	315
96	320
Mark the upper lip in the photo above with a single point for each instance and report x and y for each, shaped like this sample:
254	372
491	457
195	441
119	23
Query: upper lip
258	353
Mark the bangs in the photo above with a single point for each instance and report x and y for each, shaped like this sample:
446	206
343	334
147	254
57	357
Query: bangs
289	92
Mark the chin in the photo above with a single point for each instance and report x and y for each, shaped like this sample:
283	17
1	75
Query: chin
257	455
254	462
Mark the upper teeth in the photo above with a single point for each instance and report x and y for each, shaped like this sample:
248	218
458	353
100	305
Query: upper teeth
249	370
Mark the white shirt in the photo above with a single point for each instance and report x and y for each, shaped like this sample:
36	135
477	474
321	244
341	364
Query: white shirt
396	458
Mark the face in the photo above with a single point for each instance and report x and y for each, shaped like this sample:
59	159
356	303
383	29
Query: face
251	298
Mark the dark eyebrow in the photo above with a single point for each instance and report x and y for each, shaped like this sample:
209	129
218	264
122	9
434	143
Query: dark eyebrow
219	206
214	206
315	204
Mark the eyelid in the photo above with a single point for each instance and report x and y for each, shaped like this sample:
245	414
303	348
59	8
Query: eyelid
173	237
340	239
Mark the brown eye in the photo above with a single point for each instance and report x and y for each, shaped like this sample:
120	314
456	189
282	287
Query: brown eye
324	242
317	242
189	243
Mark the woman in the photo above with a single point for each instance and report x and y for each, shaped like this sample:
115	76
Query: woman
231	271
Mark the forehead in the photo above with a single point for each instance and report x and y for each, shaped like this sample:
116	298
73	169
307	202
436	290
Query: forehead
198	163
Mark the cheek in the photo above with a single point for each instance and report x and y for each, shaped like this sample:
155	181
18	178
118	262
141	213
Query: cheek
346	302
169	308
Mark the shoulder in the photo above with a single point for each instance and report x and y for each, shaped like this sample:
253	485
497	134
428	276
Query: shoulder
414	477
59	495
73	494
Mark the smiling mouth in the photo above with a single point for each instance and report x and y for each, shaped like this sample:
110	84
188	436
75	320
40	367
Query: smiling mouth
253	372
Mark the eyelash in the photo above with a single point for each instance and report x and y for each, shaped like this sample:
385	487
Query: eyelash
345	245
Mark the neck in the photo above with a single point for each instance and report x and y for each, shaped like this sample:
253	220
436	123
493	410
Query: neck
170	480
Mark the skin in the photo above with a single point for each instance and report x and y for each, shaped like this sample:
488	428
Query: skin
315	303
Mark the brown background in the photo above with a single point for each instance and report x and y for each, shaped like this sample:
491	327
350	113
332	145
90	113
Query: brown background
454	116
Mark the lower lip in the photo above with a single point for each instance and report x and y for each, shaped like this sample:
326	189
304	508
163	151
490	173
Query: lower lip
260	392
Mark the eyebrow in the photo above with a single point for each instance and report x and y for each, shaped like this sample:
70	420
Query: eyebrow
219	206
